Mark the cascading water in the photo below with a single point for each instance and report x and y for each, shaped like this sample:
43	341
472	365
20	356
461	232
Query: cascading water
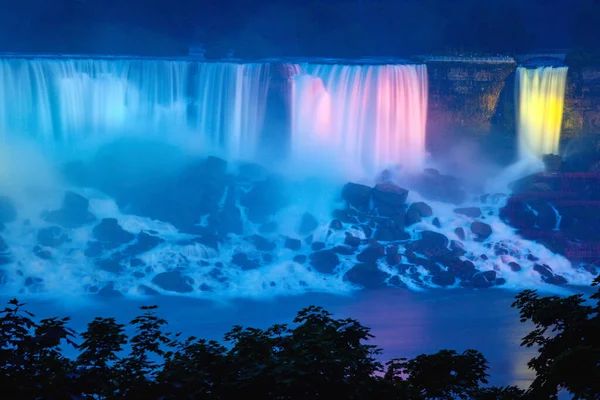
540	101
71	99
371	116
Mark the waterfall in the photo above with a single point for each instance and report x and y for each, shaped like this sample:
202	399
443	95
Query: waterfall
66	100
540	101
372	116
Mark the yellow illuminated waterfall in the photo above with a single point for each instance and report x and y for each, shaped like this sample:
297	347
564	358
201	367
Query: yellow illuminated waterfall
540	102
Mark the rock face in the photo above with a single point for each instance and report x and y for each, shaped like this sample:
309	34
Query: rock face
73	212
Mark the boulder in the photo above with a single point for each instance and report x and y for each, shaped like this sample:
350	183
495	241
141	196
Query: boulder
52	236
387	196
437	187
292	244
367	275
371	254
324	261
336	225
242	260
308	223
109	230
261	243
265	199
483	279
351	240
357	196
173	281
460	232
481	230
73	212
144	242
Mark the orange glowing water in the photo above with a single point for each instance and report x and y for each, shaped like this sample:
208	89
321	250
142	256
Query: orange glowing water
540	103
370	116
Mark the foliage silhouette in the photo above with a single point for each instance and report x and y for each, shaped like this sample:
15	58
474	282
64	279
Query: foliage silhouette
318	356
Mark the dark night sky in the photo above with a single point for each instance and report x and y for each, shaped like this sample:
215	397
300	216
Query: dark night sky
298	27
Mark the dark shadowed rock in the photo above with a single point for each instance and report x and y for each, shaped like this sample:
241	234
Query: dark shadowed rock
229	218
357	195
371	254
8	212
324	261
308	223
52	236
317	246
434	186
546	217
144	242
351	240
483	279
109	230
173	281
300	259
109	291
261	243
265	199
543	270
344	250
552	162
348	216
443	278
473	212
436	222
73	212
515	267
242	260
481	230
388	196
555	280
292	244
460	232
336	225
392	255
367	275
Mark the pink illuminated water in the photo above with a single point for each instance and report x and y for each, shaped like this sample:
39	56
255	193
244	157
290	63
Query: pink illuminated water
367	116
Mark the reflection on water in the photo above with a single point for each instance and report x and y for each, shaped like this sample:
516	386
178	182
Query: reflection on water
405	323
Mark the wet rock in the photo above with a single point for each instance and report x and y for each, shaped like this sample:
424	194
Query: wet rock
460	232
463	269
357	196
423	208
336	225
229	219
147	291
136	262
371	254
392	255
308	223
265	199
173	281
242	260
351	240
483	279
261	243
52	236
300	259
73	212
8	211
515	267
518	214
111	264
457	248
109	291
431	244
552	162
436	222
481	230
347	216
437	187
546	217
367	275
144	242
395	281
388	230
388	198
412	216
292	244
555	280
443	278
109	230
42	253
316	246
543	270
472	212
343	250
531	257
324	261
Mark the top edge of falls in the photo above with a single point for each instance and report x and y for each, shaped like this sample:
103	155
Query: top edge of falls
191	58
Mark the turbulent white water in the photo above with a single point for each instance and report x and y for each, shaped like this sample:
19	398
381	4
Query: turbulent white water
540	102
372	116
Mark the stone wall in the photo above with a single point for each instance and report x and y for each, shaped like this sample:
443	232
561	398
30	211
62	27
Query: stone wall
582	102
478	100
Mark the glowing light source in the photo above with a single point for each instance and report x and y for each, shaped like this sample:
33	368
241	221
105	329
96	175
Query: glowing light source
540	103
